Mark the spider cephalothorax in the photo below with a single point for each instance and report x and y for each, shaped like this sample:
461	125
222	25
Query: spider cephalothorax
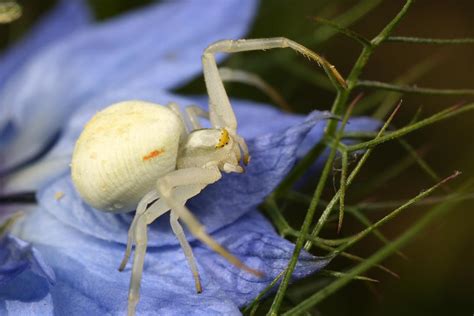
208	147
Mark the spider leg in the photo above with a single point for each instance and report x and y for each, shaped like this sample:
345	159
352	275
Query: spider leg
191	116
181	194
138	231
188	177
251	79
220	110
188	252
138	234
193	113
150	197
141	239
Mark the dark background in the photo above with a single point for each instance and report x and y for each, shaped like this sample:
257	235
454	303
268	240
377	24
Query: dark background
438	277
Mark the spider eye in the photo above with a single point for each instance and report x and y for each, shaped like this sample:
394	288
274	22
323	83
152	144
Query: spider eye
223	139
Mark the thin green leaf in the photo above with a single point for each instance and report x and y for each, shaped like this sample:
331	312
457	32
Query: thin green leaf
381	254
341	29
383	101
318	243
377	233
412	89
395	213
349	17
352	210
337	274
449	112
420	161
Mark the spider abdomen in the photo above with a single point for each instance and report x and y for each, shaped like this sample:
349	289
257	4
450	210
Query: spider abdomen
122	151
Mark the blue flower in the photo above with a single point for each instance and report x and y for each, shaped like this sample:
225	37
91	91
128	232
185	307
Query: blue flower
54	87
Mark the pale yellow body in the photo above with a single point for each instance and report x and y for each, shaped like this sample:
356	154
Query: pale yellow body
122	151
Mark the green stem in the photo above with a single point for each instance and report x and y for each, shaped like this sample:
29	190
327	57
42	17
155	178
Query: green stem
392	24
304	230
327	211
342	189
337	108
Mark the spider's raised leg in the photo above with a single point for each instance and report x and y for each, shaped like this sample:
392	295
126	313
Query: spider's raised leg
220	110
195	179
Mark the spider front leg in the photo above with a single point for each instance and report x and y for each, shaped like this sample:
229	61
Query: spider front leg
141	240
220	110
138	234
195	179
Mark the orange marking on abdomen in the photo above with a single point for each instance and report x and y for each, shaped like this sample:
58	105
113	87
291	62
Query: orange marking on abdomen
153	154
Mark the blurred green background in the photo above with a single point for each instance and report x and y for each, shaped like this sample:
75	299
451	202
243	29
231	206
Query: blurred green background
438	277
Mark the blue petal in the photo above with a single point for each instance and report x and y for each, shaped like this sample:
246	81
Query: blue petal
86	269
273	155
67	17
24	276
164	41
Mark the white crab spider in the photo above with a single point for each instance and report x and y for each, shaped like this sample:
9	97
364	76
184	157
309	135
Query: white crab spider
139	153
